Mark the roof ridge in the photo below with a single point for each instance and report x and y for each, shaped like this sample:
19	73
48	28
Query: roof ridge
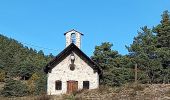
65	52
73	30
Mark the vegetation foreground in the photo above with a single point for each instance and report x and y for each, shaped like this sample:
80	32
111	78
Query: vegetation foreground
125	92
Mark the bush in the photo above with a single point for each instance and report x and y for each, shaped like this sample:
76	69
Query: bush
31	83
41	84
117	77
2	75
14	88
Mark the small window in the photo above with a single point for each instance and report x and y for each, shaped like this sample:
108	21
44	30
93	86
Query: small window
73	38
58	85
85	84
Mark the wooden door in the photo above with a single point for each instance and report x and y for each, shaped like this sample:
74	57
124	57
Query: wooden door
72	86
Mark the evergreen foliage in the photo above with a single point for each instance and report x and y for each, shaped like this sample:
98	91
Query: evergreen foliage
150	50
20	63
112	64
41	84
143	53
163	45
15	88
32	82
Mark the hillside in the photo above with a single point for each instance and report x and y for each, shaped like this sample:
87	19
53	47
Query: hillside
20	63
128	92
18	60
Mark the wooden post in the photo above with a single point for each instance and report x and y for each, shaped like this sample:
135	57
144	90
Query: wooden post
136	73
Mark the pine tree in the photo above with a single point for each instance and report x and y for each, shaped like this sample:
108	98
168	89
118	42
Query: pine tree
111	62
163	44
143	53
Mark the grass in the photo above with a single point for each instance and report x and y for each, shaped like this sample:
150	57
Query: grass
135	87
43	97
125	92
168	93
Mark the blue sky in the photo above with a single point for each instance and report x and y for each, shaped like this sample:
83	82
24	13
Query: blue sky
40	24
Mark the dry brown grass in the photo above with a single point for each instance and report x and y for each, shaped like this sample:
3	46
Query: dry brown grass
126	92
43	97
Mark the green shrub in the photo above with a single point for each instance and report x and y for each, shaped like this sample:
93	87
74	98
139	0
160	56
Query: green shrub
41	85
2	75
14	88
31	83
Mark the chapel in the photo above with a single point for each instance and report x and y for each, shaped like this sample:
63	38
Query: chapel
71	70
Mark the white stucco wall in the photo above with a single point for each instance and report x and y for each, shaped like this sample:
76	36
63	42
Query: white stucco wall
82	72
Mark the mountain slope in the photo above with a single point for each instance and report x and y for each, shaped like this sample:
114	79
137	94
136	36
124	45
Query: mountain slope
18	60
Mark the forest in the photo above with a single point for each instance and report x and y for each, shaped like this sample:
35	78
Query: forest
21	67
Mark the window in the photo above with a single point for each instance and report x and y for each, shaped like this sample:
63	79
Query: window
73	38
58	85
85	84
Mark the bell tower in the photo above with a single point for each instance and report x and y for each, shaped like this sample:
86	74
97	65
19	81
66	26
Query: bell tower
73	36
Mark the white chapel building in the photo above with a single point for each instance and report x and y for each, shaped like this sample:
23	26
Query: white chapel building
71	70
